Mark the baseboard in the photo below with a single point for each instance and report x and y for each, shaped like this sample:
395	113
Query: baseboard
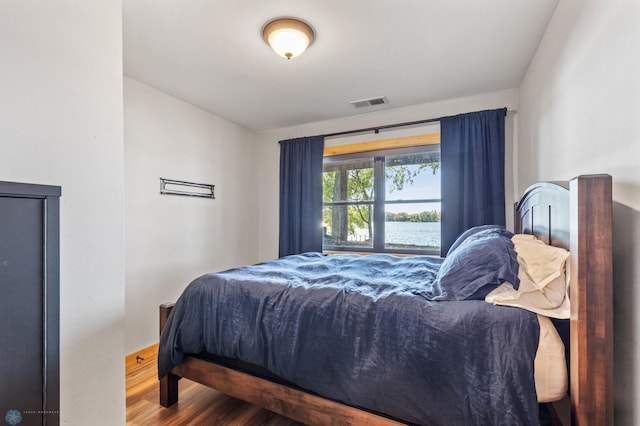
141	359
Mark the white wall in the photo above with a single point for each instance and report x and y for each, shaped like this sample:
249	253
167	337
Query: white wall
170	240
579	113
61	124
269	150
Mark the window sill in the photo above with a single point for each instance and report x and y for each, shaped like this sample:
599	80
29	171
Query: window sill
374	252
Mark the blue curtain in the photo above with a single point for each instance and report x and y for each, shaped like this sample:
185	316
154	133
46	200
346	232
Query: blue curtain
301	195
472	155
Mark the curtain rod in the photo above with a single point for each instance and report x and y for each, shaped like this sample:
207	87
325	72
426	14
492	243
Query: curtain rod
376	129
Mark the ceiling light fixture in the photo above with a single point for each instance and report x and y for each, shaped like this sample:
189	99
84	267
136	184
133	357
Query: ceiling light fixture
288	37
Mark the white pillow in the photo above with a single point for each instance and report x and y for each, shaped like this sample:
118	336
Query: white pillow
550	365
543	281
543	263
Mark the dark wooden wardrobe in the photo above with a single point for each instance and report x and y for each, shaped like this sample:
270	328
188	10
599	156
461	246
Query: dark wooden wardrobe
29	304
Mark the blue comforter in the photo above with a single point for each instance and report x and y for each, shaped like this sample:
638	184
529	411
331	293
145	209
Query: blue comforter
362	330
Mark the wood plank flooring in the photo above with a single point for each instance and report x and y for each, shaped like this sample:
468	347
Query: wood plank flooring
198	404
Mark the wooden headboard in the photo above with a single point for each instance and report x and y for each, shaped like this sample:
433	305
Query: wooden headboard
578	216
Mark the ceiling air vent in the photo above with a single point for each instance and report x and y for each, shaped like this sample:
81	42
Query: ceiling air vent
369	102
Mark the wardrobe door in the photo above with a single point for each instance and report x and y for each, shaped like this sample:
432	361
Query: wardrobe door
29	324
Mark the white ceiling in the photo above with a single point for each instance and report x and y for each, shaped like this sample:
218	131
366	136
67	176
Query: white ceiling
210	53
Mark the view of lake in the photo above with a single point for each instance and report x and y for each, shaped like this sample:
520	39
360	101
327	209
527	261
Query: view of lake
413	233
421	234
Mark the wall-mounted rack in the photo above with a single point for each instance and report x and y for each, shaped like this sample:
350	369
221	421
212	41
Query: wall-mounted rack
190	189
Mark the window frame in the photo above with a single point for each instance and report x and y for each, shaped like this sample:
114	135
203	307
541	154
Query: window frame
379	201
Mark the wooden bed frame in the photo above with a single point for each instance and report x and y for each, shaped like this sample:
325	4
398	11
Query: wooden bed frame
577	216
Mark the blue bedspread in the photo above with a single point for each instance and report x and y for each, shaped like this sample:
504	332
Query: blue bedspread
362	330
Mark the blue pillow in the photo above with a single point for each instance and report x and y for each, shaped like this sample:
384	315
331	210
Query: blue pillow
480	263
472	231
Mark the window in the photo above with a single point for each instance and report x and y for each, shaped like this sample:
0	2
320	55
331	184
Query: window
383	201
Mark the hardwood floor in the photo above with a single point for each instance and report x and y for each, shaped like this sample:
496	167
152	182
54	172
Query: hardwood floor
198	404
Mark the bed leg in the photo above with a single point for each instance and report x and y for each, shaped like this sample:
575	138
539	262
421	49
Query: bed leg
169	383
169	390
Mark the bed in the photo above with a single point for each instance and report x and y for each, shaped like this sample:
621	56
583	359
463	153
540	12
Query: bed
575	217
